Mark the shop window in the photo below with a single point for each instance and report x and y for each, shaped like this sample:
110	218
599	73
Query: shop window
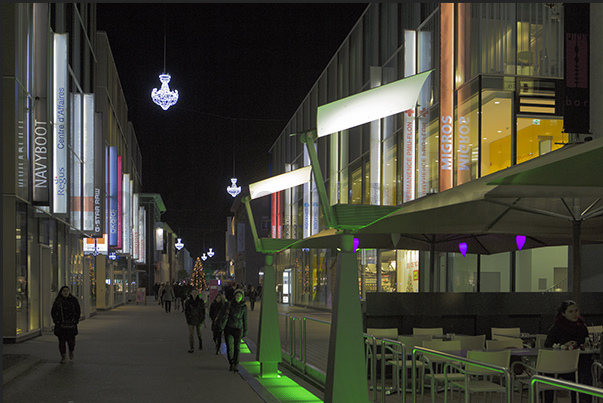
536	137
467	133
497	111
356	185
389	277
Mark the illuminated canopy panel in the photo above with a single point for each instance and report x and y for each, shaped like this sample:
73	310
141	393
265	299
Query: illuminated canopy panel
280	182
370	105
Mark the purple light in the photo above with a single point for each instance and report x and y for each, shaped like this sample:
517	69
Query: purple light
520	240
463	248
356	243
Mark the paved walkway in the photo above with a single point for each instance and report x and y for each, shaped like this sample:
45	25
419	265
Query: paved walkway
134	353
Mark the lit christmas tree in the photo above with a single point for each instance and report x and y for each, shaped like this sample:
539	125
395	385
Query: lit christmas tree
409	285
198	276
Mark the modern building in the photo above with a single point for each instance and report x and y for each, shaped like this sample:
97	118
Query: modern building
498	96
73	211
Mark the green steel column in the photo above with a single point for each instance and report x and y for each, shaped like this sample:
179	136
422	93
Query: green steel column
254	230
269	337
329	216
346	375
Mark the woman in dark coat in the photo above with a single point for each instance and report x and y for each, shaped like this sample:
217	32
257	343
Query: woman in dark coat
194	311
214	310
65	315
569	331
234	315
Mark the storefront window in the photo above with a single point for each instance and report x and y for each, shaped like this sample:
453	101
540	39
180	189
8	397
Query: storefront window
537	137
23	290
542	269
389	277
497	112
467	133
495	272
390	161
462	272
408	270
368	263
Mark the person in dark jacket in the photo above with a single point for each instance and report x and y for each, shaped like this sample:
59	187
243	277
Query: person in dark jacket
252	297
214	311
194	311
569	331
65	314
234	315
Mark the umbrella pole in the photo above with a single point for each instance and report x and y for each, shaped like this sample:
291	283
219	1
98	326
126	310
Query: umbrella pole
577	228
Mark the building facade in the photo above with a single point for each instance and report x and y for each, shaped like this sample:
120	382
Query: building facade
494	99
71	169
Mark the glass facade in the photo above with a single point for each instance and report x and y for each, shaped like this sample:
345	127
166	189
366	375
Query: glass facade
498	105
43	247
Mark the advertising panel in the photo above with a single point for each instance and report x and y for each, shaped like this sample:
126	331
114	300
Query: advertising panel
576	117
142	225
99	178
76	206
40	143
120	209
60	186
423	116
88	162
446	153
113	186
135	226
126	225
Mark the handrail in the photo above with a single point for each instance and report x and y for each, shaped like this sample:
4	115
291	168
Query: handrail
575	387
370	343
504	370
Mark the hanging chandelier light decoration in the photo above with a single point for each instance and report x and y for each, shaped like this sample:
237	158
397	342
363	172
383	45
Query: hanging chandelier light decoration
233	189
164	97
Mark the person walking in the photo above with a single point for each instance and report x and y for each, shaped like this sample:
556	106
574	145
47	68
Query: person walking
65	314
178	296
168	297
156	290
252	297
186	292
215	308
234	320
194	312
160	293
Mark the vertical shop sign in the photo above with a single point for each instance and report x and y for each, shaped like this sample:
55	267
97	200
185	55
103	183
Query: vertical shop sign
88	162
409	153
40	144
99	178
60	186
113	196
577	53
76	169
142	236
135	226
126	227
279	224
273	207
120	210
425	63
446	95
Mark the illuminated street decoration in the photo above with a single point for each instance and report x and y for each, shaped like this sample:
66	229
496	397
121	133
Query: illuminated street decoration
164	97
179	245
463	248
112	256
521	241
204	256
233	189
210	253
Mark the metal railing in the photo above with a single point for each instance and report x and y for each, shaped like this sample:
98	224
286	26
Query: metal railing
421	350
561	384
294	347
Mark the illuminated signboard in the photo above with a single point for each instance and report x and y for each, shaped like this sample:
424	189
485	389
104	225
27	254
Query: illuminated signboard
59	124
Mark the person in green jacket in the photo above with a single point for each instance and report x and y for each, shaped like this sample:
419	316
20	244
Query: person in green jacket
234	319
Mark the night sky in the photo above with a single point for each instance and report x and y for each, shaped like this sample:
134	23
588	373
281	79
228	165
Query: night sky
241	71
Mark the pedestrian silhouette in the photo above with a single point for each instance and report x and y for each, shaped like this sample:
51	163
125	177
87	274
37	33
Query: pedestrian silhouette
65	314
